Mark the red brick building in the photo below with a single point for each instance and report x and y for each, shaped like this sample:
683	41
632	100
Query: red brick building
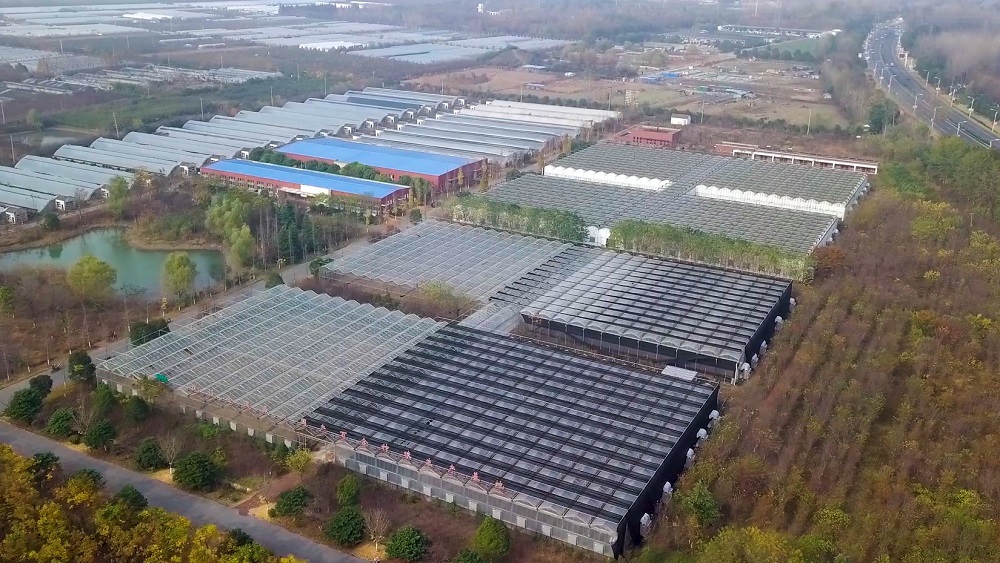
650	136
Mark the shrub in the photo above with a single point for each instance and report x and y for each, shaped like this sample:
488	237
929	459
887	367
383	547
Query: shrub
136	409
291	502
149	456
91	475
468	556
348	490
100	434
60	424
42	384
407	543
105	400
196	471
50	222
273	280
24	406
492	539
299	460
700	503
44	464
238	538
132	498
346	528
80	368
416	216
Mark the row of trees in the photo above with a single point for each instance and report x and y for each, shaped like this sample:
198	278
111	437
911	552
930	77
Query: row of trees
49	515
688	244
477	210
94	280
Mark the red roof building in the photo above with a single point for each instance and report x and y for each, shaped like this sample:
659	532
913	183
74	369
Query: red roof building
649	136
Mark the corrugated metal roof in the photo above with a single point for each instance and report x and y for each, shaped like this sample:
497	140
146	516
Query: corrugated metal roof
423	141
67	169
256	131
335	101
144	151
483	137
25	199
377	156
333	182
203	145
503	133
46	184
292	120
474	155
506	123
234	140
114	160
412	95
355	116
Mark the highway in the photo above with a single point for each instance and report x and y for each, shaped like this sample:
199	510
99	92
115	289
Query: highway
912	93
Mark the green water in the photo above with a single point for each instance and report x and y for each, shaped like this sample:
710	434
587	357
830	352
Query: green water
137	269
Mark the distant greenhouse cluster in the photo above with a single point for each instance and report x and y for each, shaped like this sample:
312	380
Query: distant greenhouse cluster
142	77
446	141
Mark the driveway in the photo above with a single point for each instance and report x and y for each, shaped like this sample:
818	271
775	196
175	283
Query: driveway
200	511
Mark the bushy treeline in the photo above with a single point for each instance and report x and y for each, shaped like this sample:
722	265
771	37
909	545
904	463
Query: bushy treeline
552	223
689	244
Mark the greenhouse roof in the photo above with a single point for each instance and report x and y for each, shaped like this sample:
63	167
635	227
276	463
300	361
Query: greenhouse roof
698	309
340	150
304	177
572	434
604	205
685	170
280	352
475	262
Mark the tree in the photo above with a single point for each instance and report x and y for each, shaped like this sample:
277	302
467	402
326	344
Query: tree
241	246
316	266
492	539
24	406
196	472
42	384
50	222
148	456
170	447
100	434
274	279
416	216
117	196
142	332
132	498
136	409
292	502
407	543
299	460
376	524
91	278
346	528
348	490
468	556
44	465
700	503
6	300
80	368
33	119
60	424
179	273
513	174
484	177
105	400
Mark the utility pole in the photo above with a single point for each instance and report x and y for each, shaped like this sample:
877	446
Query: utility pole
995	112
13	157
958	130
272	95
938	89
2	114
971	105
927	79
326	91
202	102
297	77
810	122
115	118
703	111
933	117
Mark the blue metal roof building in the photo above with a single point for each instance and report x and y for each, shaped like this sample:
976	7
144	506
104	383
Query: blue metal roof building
274	177
341	151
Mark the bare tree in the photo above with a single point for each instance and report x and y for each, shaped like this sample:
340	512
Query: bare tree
377	524
170	447
84	415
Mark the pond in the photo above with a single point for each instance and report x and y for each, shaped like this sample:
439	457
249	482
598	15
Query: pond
137	269
53	137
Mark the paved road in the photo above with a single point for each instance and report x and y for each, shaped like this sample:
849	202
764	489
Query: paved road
200	511
914	93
